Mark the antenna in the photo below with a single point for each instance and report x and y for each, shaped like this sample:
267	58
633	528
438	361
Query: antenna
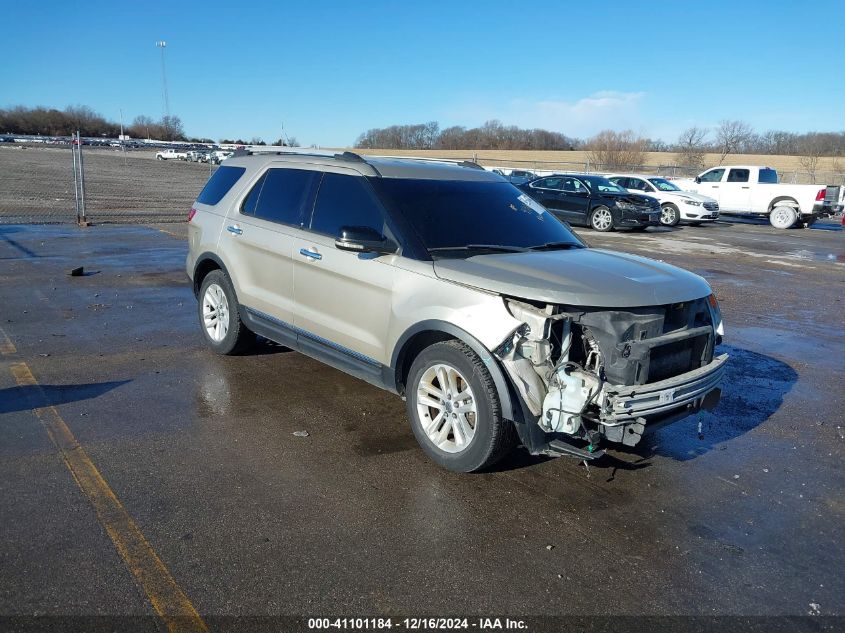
162	45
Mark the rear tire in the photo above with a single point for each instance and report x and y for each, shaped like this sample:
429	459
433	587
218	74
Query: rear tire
783	217
601	219
220	322
464	431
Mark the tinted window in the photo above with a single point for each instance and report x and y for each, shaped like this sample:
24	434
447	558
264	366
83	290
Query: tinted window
714	175
738	175
573	185
548	183
622	182
219	184
456	213
768	177
345	201
251	200
283	195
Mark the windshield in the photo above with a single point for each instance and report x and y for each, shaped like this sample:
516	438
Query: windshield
602	185
664	185
473	216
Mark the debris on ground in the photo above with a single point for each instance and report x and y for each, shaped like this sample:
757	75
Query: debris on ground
301	433
77	272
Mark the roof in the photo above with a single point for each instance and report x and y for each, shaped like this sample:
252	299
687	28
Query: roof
376	166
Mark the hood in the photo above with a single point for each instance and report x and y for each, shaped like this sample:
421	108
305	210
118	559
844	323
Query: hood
633	198
690	194
580	277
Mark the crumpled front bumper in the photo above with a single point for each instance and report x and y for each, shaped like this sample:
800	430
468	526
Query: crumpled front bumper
638	403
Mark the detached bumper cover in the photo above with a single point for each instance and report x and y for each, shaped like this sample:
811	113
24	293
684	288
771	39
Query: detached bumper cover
624	404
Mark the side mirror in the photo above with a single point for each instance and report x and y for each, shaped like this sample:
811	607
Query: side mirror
698	180
363	239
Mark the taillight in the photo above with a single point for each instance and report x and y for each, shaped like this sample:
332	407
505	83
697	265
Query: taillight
191	214
820	196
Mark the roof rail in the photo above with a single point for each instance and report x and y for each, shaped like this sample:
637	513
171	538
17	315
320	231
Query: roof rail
470	164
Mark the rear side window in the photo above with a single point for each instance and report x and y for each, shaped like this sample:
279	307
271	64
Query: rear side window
768	177
219	184
280	196
345	201
738	175
548	183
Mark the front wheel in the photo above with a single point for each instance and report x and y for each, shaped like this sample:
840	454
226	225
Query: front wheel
159	158
455	410
669	215
783	217
601	219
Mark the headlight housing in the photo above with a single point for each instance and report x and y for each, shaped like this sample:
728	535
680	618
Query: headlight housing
694	203
626	206
716	314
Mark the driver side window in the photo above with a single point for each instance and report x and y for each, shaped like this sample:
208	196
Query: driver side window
345	201
714	175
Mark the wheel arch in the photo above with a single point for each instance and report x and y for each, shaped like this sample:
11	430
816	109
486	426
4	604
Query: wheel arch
426	333
789	200
205	263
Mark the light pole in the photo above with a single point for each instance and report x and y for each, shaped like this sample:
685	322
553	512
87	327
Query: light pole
162	45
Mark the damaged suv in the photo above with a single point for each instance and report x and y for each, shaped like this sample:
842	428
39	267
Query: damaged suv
445	284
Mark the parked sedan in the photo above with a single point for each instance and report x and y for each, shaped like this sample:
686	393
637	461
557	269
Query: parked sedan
593	201
675	203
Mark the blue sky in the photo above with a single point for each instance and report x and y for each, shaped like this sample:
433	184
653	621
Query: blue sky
329	70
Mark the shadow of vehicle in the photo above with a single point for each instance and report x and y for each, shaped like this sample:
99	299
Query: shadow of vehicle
27	397
753	388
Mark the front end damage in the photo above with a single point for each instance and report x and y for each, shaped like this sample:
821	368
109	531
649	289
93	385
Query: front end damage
592	374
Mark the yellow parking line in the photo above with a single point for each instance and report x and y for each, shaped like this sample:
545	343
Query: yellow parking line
6	345
166	597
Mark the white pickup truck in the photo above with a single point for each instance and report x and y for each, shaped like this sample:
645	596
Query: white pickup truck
751	189
171	154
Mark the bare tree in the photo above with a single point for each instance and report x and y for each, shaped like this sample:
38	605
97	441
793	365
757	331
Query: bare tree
812	147
611	149
691	147
731	136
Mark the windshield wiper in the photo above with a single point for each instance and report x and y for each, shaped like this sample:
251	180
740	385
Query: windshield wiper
504	248
553	246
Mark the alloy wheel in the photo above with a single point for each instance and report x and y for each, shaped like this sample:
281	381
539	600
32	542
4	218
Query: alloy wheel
447	408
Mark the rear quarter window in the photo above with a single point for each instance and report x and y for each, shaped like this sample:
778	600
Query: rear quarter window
219	184
768	177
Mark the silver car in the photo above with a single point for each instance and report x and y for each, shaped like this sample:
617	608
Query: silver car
447	285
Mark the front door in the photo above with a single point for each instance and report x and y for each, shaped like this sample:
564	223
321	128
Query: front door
343	299
736	191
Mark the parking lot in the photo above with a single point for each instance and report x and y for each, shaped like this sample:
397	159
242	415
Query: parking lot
225	509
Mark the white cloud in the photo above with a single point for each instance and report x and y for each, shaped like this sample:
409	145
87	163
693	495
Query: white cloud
582	117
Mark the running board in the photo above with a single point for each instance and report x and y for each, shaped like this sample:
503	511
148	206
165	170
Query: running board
559	447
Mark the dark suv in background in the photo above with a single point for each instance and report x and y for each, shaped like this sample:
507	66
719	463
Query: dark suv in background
593	201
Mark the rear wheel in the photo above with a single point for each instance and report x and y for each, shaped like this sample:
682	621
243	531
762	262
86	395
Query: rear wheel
783	217
601	219
221	323
455	410
669	215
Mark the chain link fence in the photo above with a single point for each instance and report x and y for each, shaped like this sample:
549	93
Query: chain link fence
37	186
37	183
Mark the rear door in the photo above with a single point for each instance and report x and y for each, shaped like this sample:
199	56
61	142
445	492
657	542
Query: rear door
574	201
258	237
735	194
343	299
547	191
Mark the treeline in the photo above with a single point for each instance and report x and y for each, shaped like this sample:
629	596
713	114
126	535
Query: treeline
53	122
491	135
729	137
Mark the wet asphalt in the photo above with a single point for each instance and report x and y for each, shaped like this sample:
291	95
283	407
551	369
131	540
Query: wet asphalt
250	519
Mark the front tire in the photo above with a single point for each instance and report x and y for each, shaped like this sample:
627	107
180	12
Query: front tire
601	219
669	215
783	217
221	324
455	410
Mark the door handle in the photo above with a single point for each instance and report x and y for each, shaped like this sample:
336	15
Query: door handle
235	229
311	254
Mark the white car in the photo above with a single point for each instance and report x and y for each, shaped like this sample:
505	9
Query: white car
675	203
